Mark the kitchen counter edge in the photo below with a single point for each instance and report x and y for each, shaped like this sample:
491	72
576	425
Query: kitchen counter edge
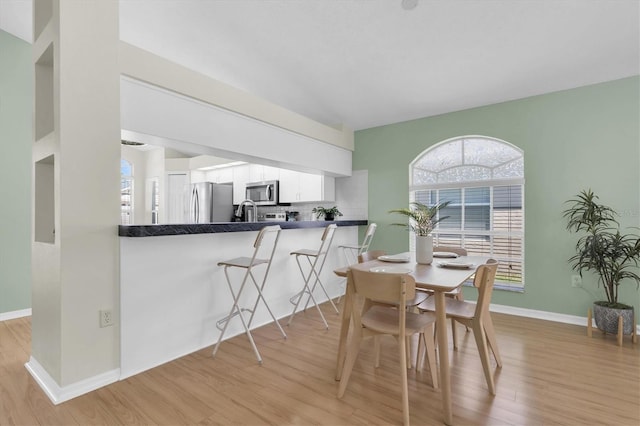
213	228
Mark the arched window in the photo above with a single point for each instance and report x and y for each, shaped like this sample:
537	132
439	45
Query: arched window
483	179
126	192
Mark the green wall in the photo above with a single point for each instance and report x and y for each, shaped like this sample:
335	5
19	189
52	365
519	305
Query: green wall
572	140
16	80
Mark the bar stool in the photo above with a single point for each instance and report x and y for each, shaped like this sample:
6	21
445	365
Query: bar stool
272	234
351	252
316	259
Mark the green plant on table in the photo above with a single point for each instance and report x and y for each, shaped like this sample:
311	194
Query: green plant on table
324	212
422	218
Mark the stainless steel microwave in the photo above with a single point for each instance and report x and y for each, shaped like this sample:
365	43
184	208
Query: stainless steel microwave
263	193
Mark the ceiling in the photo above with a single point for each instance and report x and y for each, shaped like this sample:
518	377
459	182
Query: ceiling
366	63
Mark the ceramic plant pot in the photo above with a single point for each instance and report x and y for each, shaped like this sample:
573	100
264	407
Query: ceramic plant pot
607	319
424	249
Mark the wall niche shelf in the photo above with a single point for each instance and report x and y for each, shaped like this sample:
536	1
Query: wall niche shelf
44	105
44	212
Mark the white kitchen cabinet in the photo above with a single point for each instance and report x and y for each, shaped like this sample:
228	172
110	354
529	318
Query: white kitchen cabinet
259	173
222	175
297	187
241	177
197	176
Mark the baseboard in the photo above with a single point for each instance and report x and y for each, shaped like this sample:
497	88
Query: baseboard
59	394
543	315
5	316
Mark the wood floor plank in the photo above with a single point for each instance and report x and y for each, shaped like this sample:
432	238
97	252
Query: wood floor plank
552	374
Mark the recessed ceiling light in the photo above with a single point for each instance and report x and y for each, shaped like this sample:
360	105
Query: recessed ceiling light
131	143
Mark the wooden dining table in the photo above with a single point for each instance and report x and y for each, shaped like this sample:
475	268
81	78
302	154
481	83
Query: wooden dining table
433	277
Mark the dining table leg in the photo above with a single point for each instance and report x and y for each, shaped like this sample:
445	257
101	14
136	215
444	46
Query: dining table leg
344	327
443	351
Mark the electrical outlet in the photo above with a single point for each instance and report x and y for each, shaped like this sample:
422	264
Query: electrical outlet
576	281
106	318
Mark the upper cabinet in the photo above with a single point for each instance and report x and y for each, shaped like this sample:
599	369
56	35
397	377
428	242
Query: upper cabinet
222	175
241	176
259	173
297	187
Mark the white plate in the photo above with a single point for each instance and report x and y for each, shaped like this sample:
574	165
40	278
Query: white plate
445	254
397	258
456	265
391	269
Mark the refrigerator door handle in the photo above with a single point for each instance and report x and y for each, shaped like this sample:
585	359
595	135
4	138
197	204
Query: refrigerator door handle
196	205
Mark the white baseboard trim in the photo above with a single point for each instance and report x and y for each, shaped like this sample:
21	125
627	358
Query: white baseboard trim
59	394
543	315
5	316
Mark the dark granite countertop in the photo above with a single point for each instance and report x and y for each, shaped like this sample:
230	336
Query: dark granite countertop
212	228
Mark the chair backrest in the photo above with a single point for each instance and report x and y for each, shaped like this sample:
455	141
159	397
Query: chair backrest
484	279
450	249
370	255
327	237
269	234
393	289
368	236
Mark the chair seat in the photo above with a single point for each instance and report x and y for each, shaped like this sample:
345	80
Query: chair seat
455	308
452	293
384	320
306	252
421	297
242	262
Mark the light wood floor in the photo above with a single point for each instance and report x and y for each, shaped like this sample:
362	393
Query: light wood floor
552	375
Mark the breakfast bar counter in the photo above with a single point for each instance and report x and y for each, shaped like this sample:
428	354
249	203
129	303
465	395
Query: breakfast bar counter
212	228
172	290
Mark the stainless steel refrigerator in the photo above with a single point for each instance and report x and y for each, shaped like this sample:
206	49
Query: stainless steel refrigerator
208	202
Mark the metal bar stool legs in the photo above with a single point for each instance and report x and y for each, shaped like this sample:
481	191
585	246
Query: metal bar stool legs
236	311
315	269
249	263
317	281
306	290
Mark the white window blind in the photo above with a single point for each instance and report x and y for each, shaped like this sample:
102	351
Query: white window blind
483	180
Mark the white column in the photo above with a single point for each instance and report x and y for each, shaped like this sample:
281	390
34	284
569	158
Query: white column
76	156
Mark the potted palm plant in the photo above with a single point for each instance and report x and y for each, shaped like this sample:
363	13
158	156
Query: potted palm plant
603	250
328	213
422	221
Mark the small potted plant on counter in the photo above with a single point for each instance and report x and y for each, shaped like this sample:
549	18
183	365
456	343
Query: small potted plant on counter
328	213
613	257
422	220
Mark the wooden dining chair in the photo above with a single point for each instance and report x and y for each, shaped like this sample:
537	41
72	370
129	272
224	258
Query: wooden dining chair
477	317
457	293
394	290
370	255
411	305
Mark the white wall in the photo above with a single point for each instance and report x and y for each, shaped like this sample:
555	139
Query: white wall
194	126
77	275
